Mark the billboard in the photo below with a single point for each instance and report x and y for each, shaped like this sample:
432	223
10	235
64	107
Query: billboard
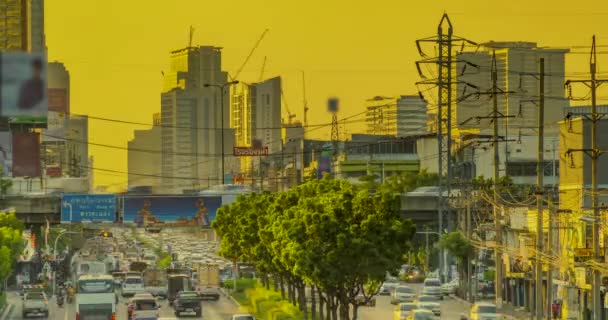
88	208
170	210
249	151
26	154
23	87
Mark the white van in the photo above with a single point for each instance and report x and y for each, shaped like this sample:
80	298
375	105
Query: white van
132	285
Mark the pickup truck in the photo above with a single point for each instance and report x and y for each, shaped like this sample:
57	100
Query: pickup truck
35	303
143	306
188	302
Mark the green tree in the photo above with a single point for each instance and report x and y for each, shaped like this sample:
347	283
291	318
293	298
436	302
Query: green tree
5	183
409	181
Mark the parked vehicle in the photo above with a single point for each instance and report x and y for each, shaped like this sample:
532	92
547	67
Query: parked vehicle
243	317
450	287
36	304
188	302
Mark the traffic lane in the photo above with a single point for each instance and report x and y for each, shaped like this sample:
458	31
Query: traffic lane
450	309
222	309
55	312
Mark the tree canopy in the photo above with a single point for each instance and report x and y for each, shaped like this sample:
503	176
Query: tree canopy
326	233
11	242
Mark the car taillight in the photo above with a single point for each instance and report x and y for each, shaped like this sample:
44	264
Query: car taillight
113	316
77	316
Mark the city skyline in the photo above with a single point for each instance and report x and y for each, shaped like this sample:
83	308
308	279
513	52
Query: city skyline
116	64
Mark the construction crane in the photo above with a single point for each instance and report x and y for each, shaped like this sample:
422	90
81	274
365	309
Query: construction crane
262	72
191	36
289	114
255	46
304	100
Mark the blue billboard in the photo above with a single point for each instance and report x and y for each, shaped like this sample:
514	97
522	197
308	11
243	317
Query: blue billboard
170	210
88	208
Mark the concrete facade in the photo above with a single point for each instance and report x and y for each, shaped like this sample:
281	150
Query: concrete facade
191	118
401	116
146	165
22	25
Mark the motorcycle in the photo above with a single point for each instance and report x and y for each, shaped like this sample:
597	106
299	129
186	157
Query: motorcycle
60	301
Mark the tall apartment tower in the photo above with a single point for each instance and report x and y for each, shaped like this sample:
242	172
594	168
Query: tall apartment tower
191	118
22	25
256	116
397	116
518	67
145	165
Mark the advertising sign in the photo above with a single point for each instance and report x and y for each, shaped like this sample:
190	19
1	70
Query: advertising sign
88	208
250	151
26	154
23	87
170	210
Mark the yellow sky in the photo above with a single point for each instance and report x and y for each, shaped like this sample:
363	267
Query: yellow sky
115	49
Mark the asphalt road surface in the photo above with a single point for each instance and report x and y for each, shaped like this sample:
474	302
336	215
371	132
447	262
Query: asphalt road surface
212	310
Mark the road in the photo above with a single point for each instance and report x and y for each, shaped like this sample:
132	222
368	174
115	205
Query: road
451	309
212	310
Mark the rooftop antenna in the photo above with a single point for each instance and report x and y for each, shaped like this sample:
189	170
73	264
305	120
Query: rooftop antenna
190	37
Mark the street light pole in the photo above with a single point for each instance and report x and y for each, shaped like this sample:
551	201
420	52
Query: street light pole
222	89
55	253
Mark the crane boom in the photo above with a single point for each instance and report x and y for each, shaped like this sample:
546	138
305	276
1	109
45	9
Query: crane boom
262	72
255	46
289	114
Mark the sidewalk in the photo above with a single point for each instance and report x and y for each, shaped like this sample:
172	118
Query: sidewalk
510	312
12	299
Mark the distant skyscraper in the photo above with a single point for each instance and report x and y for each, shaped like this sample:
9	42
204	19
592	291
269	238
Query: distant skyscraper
146	166
517	65
58	87
191	119
22	25
401	116
256	116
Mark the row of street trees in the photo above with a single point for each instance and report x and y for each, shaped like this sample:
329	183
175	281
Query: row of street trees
11	243
326	239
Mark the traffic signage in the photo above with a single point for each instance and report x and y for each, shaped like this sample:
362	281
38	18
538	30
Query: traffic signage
88	208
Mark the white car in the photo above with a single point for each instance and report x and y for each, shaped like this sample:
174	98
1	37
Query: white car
403	294
482	310
433	306
243	317
132	285
388	286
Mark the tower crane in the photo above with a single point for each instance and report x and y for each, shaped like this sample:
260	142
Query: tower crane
262	71
289	114
255	46
304	100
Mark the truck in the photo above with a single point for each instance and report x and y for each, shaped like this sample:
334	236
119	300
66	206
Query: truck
155	282
177	282
208	280
35	303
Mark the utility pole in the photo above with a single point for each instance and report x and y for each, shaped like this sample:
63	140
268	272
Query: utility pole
594	153
445	41
497	223
549	251
469	265
539	193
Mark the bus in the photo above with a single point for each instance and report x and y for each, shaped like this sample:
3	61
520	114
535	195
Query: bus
83	267
95	297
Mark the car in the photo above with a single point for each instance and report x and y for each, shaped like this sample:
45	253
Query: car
132	285
388	286
403	309
421	314
424	298
371	301
403	294
188	302
243	317
450	287
435	307
35	303
481	310
143	306
432	287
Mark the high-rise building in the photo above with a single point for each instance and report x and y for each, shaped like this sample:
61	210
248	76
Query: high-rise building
396	116
191	118
22	25
518	73
256	117
58	82
145	165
